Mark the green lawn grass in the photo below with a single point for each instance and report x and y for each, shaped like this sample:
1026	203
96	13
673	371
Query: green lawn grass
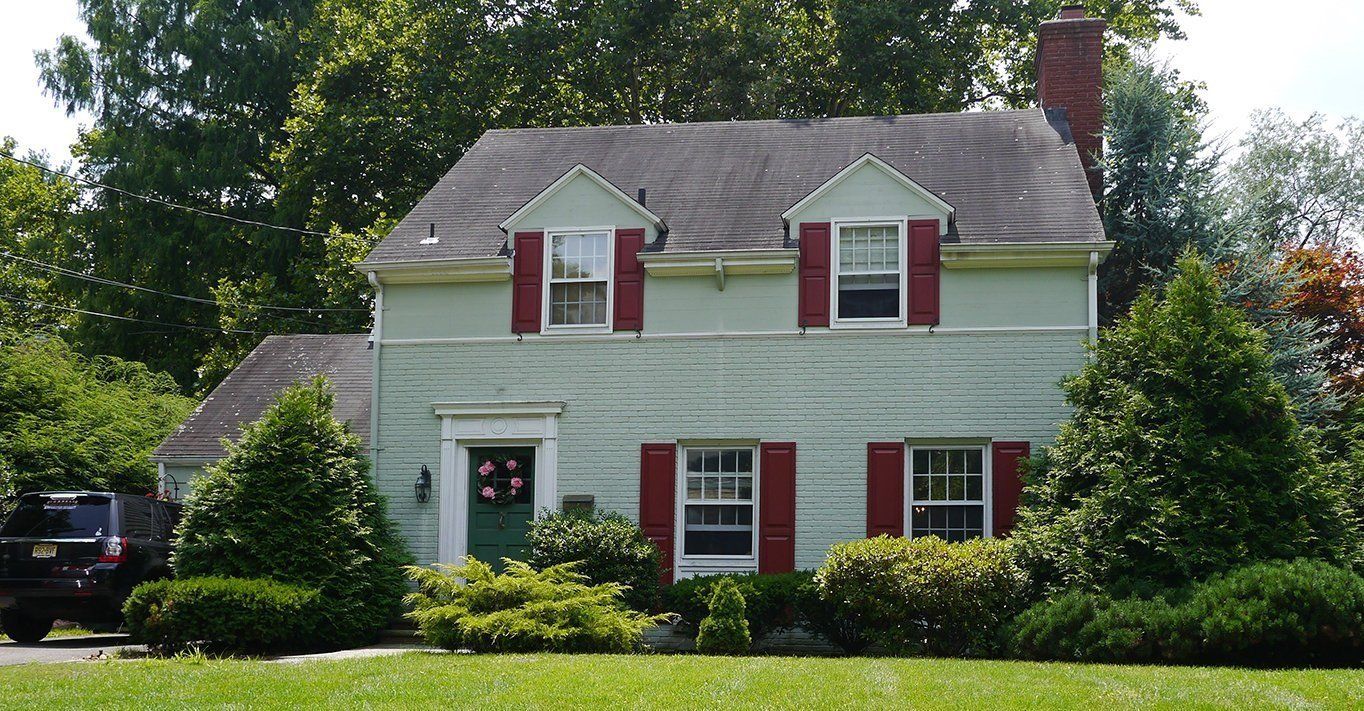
420	680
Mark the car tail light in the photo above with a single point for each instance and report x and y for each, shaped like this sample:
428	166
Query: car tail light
115	550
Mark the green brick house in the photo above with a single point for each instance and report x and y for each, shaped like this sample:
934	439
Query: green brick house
757	338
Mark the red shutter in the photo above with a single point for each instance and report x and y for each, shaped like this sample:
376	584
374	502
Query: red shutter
1007	482
528	271
922	305
657	488
777	507
885	489
814	274
629	285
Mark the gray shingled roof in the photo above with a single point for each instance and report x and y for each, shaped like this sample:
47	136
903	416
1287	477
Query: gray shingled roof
275	364
1012	176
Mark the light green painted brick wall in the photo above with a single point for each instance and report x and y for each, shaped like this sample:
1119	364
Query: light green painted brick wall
831	394
185	475
971	298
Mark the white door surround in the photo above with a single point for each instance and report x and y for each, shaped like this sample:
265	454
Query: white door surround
481	424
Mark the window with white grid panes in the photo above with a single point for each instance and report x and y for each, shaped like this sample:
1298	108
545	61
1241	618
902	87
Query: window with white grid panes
718	503
579	276
869	265
947	492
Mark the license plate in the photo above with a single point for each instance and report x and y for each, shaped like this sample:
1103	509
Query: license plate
45	550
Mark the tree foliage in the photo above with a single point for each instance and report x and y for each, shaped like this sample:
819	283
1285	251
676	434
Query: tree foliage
1301	183
1183	456
1330	291
35	214
72	422
293	501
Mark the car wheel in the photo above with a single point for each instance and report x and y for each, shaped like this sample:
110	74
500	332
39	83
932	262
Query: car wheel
22	628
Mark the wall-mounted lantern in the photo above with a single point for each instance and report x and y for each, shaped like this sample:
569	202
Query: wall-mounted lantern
423	486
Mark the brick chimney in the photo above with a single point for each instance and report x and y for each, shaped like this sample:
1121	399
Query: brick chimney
1070	76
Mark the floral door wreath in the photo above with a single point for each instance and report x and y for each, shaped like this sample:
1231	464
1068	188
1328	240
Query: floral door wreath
496	470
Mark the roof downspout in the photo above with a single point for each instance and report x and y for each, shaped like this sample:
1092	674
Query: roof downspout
1093	296
376	342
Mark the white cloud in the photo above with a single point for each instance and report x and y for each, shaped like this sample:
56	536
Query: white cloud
29	115
1303	56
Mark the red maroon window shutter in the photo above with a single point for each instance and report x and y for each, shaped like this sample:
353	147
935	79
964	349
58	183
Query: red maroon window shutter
885	489
922	296
528	271
629	287
814	274
657	488
777	507
1007	482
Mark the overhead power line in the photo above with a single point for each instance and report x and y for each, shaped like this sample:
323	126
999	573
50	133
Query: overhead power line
134	320
198	300
159	201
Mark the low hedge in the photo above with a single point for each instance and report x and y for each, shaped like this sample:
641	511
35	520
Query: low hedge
770	600
606	548
233	615
912	595
1295	612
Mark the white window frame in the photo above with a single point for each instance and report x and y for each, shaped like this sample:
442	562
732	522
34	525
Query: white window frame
836	228
986	485
688	565
547	260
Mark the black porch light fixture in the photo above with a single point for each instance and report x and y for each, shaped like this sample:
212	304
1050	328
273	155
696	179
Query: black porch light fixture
423	486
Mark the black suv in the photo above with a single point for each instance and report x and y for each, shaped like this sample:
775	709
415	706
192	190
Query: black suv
75	555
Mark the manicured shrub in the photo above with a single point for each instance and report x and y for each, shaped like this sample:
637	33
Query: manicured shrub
924	594
221	615
609	547
293	502
1299	612
724	631
826	619
523	610
1303	611
769	599
1182	458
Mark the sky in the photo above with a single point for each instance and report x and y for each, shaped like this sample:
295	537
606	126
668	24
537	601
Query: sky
1304	56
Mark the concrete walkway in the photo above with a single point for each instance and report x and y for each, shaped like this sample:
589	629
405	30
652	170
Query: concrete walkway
63	649
378	650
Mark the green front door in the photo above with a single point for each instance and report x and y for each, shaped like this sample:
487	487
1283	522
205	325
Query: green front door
501	502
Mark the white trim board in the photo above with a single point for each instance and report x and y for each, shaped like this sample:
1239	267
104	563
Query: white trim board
419	271
890	170
508	224
480	424
1022	254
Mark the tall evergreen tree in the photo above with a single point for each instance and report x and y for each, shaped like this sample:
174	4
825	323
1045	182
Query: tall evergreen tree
1183	456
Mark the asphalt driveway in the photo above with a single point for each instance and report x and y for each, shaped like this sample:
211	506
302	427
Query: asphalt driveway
61	649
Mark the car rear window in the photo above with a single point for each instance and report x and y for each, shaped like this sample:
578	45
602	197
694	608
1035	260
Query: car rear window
58	517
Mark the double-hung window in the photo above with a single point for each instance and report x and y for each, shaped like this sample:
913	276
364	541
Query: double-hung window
717	502
947	492
579	280
869	263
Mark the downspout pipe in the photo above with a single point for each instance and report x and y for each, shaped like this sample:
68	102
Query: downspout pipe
1093	296
376	343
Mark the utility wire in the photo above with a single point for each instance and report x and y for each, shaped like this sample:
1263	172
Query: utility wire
159	201
135	320
110	282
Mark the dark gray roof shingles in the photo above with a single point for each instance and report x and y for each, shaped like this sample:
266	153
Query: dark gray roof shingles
1012	176
278	362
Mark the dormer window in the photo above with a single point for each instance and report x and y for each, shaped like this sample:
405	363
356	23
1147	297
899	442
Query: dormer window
869	271
579	268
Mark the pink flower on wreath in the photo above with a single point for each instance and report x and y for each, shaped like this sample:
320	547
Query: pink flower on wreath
516	482
511	464
488	492
486	469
